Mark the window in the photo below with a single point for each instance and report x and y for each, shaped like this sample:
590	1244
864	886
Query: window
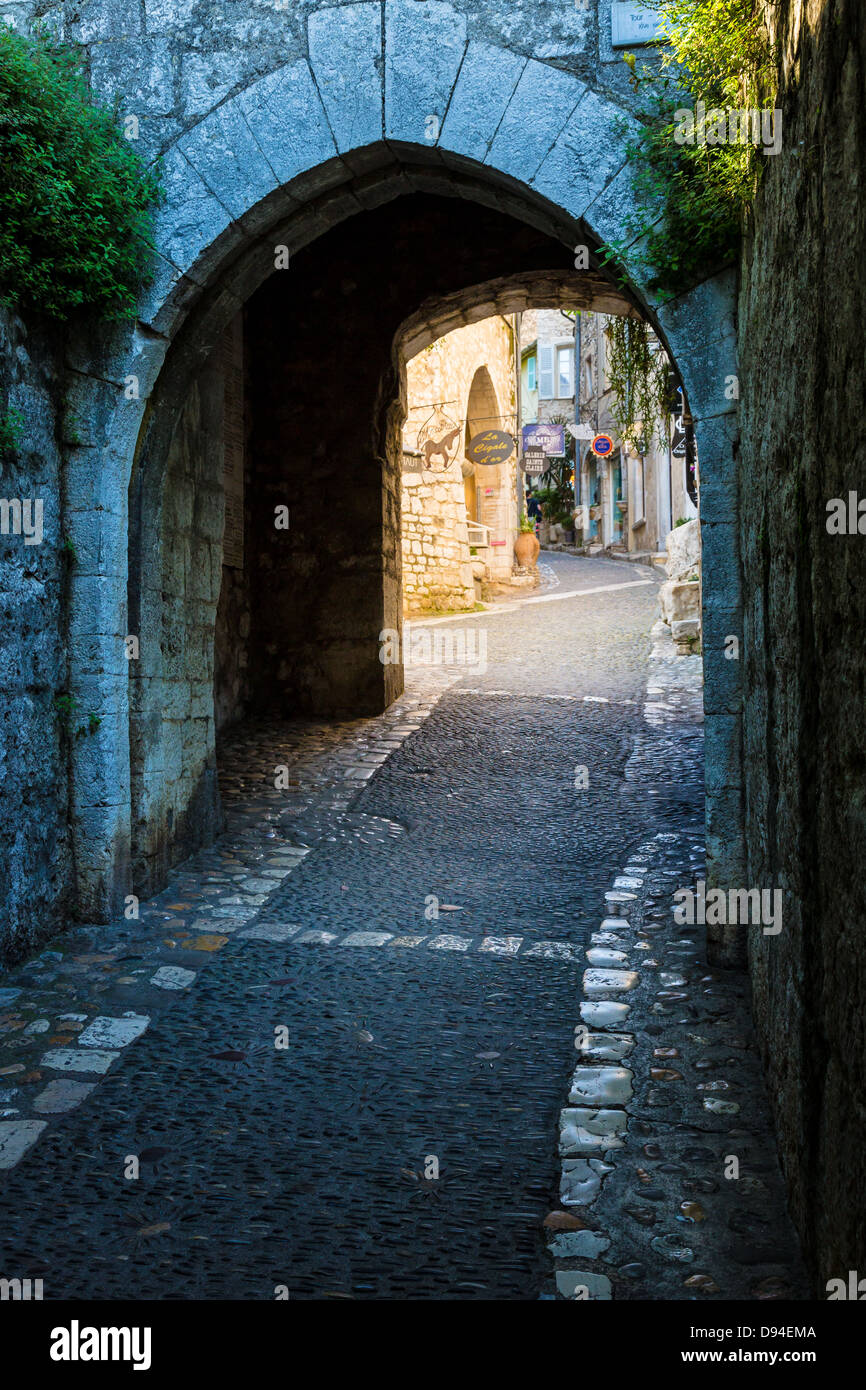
545	372
564	372
532	373
638	491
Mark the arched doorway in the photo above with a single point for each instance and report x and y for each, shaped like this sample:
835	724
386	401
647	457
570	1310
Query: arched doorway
490	498
293	165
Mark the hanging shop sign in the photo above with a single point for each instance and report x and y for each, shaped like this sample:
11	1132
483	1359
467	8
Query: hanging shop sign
490	446
602	445
534	461
580	431
439	441
550	438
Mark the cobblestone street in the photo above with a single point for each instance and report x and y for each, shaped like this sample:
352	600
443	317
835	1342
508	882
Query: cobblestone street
341	1045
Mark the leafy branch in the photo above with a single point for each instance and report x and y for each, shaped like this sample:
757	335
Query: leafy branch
76	201
639	376
690	199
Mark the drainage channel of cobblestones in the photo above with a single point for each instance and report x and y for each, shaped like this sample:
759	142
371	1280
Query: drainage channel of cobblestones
403	920
670	1186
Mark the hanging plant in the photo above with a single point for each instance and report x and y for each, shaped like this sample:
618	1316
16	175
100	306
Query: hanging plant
639	380
719	53
77	204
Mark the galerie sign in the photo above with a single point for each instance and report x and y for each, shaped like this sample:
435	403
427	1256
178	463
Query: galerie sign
549	438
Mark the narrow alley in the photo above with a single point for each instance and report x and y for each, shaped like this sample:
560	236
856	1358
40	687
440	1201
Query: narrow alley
432	571
371	1066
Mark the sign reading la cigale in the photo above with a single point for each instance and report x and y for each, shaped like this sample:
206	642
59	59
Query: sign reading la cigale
550	438
490	446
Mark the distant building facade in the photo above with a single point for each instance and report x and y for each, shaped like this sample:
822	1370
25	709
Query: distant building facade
630	500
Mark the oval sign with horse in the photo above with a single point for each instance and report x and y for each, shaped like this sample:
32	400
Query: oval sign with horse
490	446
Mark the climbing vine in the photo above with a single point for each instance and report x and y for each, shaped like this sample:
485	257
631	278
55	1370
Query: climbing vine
639	378
76	202
11	426
691	198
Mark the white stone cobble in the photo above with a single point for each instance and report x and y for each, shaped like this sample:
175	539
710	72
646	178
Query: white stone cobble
16	1137
595	1121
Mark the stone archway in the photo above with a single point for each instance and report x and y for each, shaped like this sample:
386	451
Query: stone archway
394	100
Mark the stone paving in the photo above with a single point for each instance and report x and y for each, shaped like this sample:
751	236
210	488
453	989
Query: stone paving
421	1024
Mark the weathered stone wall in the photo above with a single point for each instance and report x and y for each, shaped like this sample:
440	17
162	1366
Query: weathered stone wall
436	567
36	878
803	310
178	506
175	60
232	693
468	372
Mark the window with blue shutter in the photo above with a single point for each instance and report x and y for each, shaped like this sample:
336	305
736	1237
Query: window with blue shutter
545	372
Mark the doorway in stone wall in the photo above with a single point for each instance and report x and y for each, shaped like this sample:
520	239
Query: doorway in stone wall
265	500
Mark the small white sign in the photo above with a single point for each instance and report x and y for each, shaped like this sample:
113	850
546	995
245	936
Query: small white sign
633	24
581	431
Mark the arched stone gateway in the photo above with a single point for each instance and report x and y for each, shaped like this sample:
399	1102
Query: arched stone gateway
358	164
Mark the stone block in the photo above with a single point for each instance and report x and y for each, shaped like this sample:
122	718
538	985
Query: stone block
94	21
138	73
223	150
285	114
542	102
701	329
192	219
345	54
587	154
683	546
424	44
488	77
680	603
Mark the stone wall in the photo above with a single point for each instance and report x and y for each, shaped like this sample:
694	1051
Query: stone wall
37	871
802	315
436	567
177	518
470	372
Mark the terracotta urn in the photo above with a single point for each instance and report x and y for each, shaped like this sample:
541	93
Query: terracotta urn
526	548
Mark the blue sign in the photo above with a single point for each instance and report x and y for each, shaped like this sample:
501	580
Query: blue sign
550	438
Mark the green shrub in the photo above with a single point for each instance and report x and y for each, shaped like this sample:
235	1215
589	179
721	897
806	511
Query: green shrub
717	52
76	202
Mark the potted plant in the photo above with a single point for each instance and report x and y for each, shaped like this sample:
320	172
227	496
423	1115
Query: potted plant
526	546
566	525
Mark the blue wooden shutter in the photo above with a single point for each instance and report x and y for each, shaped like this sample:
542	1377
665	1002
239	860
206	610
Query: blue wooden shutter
545	372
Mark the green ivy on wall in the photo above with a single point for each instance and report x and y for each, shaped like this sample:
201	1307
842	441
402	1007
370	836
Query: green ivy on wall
11	427
717	52
76	201
639	377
